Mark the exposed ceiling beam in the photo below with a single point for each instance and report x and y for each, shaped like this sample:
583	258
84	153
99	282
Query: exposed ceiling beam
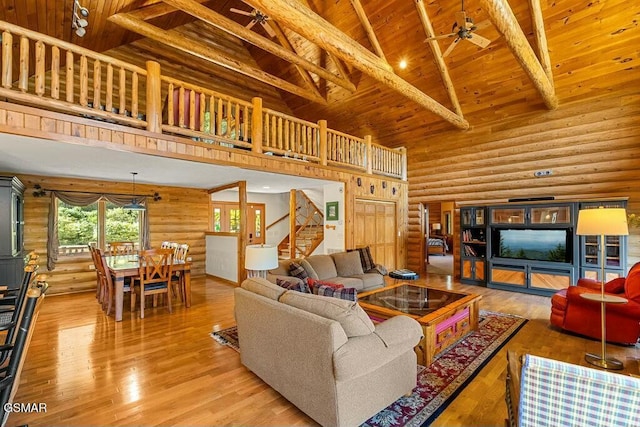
156	10
368	29
541	37
437	53
506	23
284	41
310	25
212	18
170	38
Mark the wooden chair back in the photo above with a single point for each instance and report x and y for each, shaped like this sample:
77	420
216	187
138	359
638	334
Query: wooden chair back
181	251
121	248
155	270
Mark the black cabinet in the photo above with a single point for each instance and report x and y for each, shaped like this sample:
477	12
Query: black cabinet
11	231
473	245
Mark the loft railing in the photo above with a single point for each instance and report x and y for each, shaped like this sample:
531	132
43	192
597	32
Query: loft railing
52	74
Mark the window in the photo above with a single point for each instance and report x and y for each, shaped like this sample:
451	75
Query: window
97	223
226	219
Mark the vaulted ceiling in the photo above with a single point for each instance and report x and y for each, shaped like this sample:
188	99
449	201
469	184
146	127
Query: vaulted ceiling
340	59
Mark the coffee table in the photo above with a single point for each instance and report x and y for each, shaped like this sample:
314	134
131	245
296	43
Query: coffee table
445	316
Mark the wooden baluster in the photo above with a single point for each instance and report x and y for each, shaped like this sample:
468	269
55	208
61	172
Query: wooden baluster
368	153
23	77
229	119
237	122
84	81
55	72
7	59
212	115
170	106
203	107
97	84
69	77
287	135
219	118
267	133
108	102
40	67
274	132
245	124
181	107
279	135
153	97
122	92
134	94
192	109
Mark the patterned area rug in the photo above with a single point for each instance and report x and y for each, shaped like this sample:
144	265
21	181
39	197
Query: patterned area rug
441	382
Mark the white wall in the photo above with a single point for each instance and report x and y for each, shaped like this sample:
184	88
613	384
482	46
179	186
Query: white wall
222	257
334	237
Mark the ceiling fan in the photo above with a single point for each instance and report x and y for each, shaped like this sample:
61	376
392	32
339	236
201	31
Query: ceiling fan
463	29
257	17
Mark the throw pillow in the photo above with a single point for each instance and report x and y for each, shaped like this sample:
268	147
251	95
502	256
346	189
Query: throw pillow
297	286
365	258
313	283
349	294
296	270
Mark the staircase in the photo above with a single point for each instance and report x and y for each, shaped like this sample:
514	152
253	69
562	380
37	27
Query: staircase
309	229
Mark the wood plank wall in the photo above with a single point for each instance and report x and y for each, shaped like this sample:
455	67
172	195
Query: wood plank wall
592	148
180	216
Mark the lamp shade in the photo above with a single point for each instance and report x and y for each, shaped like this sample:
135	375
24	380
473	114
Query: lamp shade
261	257
436	226
602	221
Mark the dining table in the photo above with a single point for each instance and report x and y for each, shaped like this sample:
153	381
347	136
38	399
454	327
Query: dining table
123	266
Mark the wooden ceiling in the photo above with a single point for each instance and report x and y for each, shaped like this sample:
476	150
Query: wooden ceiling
348	53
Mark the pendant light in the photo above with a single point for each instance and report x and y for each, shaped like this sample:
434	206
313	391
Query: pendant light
134	205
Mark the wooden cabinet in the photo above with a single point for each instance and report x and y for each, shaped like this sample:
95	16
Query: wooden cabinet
615	264
473	245
11	231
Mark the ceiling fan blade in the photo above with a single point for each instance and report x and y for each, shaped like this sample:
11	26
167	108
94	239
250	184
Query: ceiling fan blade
443	36
450	48
479	40
268	29
461	19
241	12
250	25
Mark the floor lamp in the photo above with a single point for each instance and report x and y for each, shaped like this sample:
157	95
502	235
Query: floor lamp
603	222
260	258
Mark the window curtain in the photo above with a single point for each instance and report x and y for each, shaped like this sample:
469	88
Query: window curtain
85	199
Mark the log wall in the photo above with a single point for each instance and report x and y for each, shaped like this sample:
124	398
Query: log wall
591	147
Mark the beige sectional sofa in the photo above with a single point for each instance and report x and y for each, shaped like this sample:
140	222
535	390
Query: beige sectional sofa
324	354
343	268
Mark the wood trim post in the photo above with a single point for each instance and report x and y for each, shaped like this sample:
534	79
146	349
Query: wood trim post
243	238
403	152
256	125
367	141
292	223
154	101
323	142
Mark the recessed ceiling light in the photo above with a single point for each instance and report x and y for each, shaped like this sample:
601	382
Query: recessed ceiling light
403	64
266	187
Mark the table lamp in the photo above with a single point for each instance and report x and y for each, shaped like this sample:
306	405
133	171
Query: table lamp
436	227
603	222
260	258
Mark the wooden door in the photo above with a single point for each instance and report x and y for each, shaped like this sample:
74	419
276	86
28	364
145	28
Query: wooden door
255	223
375	226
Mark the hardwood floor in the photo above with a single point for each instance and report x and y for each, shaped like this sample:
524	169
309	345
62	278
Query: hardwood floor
167	370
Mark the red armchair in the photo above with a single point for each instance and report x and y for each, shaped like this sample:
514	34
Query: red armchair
571	312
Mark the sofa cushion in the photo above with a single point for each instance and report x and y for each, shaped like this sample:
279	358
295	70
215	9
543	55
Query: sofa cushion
366	260
323	266
263	287
309	269
299	286
349	294
347	263
349	314
296	270
348	282
371	280
282	269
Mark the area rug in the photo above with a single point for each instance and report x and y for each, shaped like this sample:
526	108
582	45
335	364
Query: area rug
441	382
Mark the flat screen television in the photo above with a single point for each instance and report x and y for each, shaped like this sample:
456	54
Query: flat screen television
553	245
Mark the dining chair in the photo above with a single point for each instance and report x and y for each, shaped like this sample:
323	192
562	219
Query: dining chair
154	276
177	280
96	265
109	288
168	245
121	248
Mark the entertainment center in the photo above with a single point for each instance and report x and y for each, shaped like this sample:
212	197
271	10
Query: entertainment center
533	247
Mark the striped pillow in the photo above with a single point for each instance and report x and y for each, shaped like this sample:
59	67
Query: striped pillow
349	294
365	258
298	286
296	270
